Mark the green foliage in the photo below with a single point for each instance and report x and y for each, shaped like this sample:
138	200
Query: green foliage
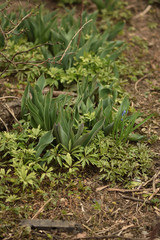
73	125
112	10
110	5
26	63
61	136
27	66
7	23
120	124
39	26
52	115
43	108
87	66
124	125
44	28
61	33
119	162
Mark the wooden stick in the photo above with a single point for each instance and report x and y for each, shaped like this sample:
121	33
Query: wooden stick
4	124
8	97
119	190
41	209
144	12
13	115
139	81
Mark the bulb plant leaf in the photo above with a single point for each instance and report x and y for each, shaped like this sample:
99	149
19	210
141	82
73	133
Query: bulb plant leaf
76	123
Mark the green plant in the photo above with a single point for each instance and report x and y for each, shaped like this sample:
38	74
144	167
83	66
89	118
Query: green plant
25	63
62	35
53	116
25	176
93	108
103	4
125	125
122	161
38	27
7	23
88	66
116	161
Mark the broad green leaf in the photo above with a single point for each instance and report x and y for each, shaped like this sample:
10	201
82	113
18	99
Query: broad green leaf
41	82
79	132
107	130
85	139
47	110
35	113
44	141
134	137
62	136
25	96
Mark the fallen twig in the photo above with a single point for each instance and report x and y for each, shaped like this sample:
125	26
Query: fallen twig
150	180
137	200
4	124
154	181
154	193
41	209
13	115
144	12
139	81
109	237
8	97
119	190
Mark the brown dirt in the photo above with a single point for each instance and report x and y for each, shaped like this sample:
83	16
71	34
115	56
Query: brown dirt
116	212
146	91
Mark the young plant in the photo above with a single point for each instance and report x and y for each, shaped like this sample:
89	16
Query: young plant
124	124
106	4
54	116
63	35
43	108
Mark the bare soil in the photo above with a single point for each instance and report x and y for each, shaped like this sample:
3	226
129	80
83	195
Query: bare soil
107	211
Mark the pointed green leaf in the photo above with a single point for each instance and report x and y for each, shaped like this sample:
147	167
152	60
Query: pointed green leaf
41	82
85	139
44	141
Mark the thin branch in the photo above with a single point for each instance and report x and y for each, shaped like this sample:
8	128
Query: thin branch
120	190
142	78
7	4
21	52
108	237
4	124
144	12
73	39
41	209
137	200
6	97
30	49
26	16
13	115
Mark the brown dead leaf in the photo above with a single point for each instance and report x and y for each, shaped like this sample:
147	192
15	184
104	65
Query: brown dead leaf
81	235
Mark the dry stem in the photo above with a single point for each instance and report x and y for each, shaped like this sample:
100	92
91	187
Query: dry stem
73	39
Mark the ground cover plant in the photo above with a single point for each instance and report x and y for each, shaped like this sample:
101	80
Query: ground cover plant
59	144
57	40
